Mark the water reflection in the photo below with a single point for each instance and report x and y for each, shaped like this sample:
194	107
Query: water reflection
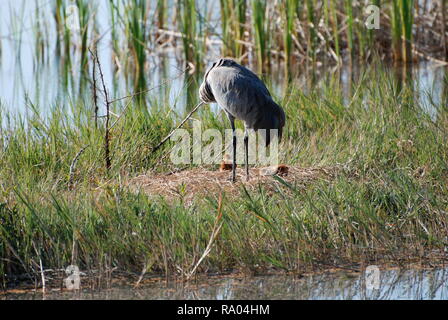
394	284
35	64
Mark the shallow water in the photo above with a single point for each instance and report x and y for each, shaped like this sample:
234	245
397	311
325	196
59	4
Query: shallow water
32	72
393	284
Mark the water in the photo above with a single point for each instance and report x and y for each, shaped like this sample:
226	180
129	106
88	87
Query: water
30	74
33	73
393	284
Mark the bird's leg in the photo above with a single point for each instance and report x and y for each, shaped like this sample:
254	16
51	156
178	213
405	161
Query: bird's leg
246	151
234	150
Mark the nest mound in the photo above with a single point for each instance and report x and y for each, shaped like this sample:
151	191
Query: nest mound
200	182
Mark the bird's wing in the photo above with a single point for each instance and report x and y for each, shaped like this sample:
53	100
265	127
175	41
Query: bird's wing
242	95
239	92
234	76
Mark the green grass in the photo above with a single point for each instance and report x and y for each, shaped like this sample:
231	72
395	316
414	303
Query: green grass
311	31
191	30
84	16
407	16
312	35
289	10
161	13
387	201
349	31
261	34
402	23
136	17
233	20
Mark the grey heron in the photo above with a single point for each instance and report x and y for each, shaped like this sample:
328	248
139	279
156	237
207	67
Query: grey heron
243	96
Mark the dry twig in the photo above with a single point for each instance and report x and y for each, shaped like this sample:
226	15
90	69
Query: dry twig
180	125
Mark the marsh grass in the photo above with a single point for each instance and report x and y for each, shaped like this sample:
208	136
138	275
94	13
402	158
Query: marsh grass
233	24
388	203
41	36
192	32
402	26
137	30
261	33
349	32
256	31
407	16
85	16
161	13
289	11
312	18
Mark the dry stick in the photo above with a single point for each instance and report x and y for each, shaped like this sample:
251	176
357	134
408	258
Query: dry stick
73	165
180	125
95	96
147	90
132	96
107	129
42	275
215	232
145	268
124	111
24	266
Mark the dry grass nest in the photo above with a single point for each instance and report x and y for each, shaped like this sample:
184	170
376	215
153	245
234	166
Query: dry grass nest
200	182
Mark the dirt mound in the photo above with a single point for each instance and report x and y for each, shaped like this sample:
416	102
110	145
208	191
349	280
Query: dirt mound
199	181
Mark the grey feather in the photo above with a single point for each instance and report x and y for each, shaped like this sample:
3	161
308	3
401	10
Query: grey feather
242	95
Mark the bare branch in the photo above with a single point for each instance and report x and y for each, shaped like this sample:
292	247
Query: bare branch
180	125
73	164
107	129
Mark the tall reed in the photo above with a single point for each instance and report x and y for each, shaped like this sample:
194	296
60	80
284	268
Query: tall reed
349	30
40	35
261	32
138	35
228	48
240	21
289	12
188	25
402	24
59	15
312	40
162	7
64	18
443	29
407	16
233	20
84	21
310	29
396	30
